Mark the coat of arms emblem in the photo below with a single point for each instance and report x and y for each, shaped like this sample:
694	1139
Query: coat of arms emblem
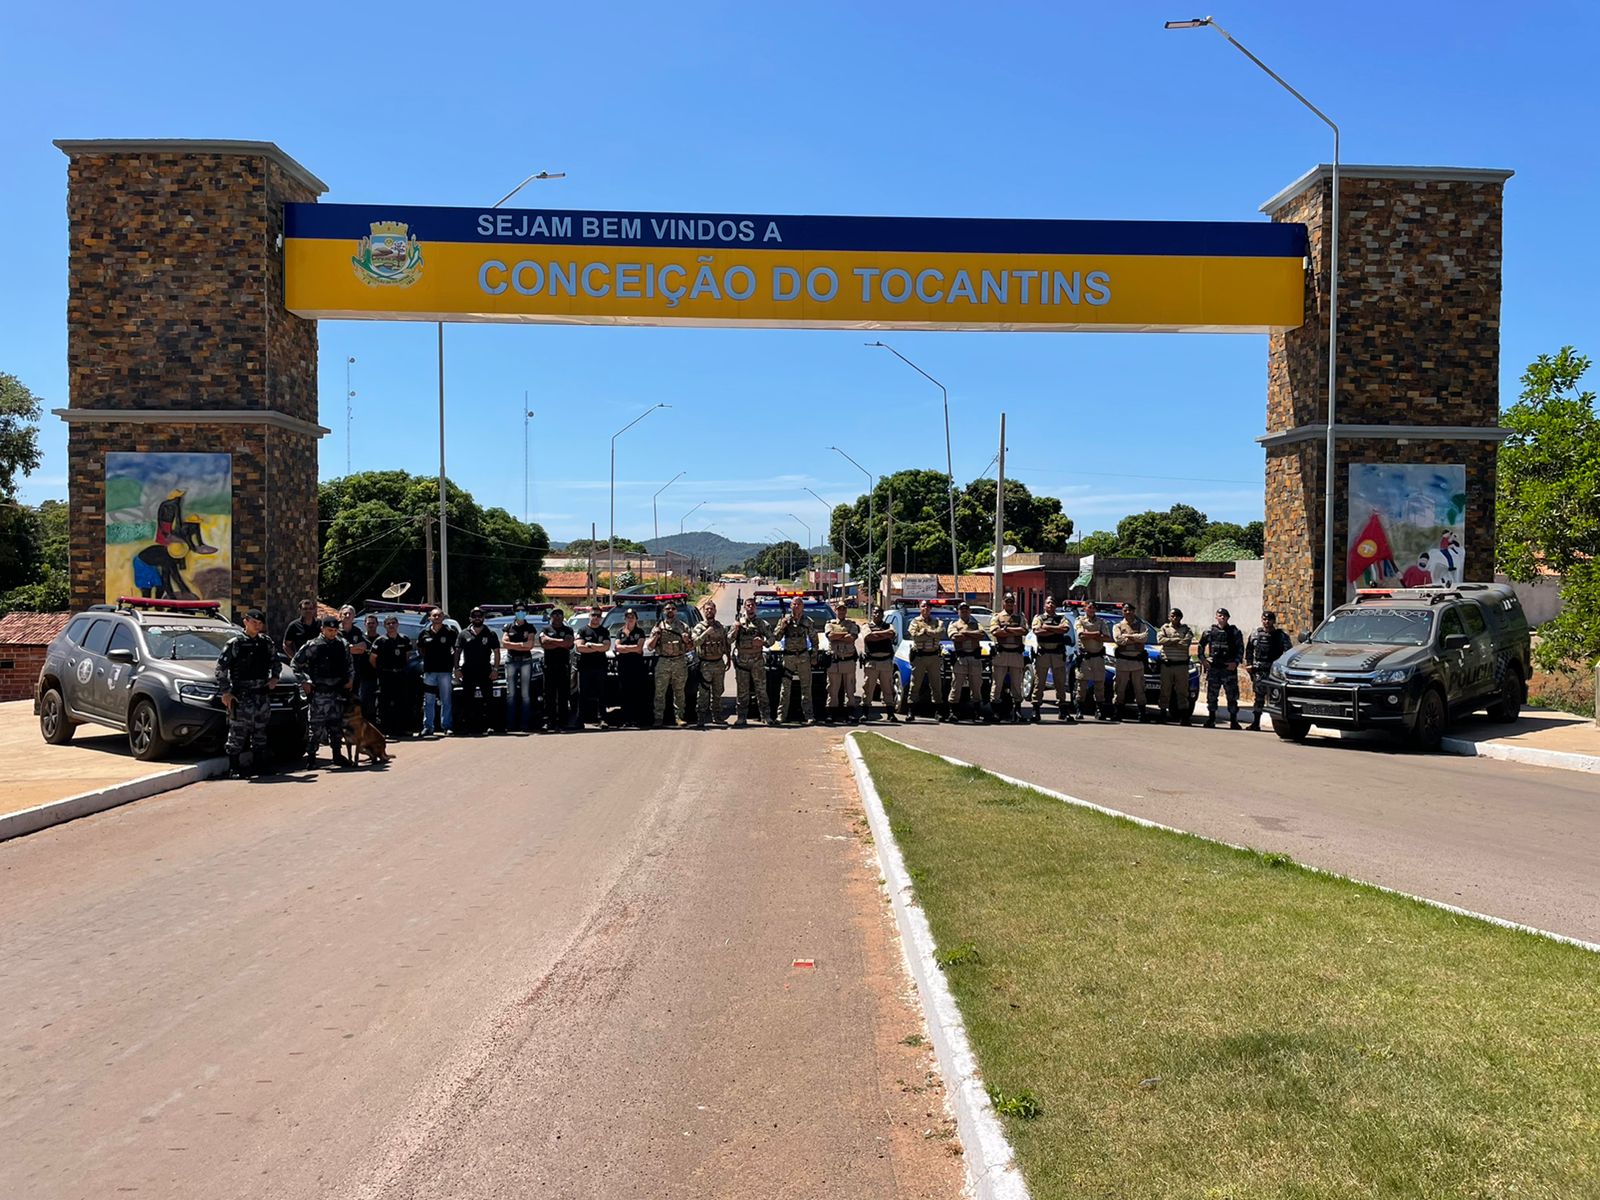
389	255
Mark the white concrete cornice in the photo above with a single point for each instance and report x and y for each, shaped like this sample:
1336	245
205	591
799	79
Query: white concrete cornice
190	416
1409	433
74	147
1324	171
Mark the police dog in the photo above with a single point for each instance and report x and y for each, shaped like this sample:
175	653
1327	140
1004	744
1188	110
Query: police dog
361	734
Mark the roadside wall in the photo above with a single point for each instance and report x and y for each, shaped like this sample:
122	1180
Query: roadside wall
1541	599
1200	598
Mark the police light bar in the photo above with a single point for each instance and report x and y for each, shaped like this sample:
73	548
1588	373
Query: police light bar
169	605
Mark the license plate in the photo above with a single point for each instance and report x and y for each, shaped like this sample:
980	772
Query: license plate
1316	708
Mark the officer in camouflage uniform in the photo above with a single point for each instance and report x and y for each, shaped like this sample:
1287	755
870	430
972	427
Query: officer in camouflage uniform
1221	650
878	670
841	634
1008	632
1263	648
328	662
670	639
1050	630
1092	638
967	671
711	647
749	639
247	670
927	650
1174	638
798	637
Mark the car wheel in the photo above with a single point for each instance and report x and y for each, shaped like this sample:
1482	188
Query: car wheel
54	723
144	732
1513	695
1290	730
1428	726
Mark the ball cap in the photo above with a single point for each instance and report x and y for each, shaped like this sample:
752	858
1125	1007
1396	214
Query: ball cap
327	621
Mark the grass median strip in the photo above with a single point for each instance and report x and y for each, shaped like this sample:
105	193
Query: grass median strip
1161	1016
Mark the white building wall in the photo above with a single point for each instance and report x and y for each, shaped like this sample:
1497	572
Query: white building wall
1200	598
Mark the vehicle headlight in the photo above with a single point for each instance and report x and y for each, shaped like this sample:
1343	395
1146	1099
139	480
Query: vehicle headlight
1393	675
1275	671
198	693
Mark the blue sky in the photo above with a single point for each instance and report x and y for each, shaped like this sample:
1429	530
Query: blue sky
936	109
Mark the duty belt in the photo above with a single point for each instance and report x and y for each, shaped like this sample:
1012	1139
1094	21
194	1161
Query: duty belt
1096	654
842	658
325	685
1176	662
968	654
880	658
923	653
1129	657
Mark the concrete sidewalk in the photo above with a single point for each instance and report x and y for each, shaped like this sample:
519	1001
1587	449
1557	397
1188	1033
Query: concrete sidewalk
45	784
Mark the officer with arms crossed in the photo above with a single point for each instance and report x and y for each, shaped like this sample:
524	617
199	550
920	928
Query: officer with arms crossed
1008	632
391	655
1050	630
556	642
1174	638
671	641
593	640
927	677
841	633
437	645
247	670
877	672
1266	646
1092	638
479	655
1129	635
967	673
749	638
517	642
798	637
332	672
711	648
1222	649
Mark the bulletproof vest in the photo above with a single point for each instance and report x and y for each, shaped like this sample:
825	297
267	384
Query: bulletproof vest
1052	643
750	628
879	650
796	634
1219	643
713	641
1003	621
673	635
251	661
925	635
1174	641
328	663
1265	646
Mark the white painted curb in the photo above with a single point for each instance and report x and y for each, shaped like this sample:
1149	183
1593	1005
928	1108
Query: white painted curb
42	816
1148	824
992	1172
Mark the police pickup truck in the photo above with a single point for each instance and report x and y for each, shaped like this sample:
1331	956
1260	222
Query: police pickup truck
1406	660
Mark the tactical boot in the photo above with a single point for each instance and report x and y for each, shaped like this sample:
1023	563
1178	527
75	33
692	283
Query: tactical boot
1233	721
1255	723
1210	721
827	716
311	755
339	759
236	767
855	715
889	716
1038	714
1062	714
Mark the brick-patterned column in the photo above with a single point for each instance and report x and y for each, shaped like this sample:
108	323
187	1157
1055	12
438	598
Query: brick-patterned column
178	341
1418	359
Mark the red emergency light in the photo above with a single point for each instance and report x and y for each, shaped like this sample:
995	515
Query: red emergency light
169	605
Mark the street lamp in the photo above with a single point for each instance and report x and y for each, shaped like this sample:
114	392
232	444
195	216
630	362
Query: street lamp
807	528
872	518
788	556
611	539
844	542
689	514
1333	304
655	520
527	416
349	411
444	524
955	558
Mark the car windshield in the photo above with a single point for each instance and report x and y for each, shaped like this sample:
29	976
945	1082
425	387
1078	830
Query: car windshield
1377	627
186	641
820	614
648	614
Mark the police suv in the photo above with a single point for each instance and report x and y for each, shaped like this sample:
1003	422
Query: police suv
1406	660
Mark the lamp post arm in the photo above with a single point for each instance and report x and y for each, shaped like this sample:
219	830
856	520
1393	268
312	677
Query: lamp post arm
1279	79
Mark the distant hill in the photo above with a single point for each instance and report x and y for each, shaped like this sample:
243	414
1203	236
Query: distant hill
718	552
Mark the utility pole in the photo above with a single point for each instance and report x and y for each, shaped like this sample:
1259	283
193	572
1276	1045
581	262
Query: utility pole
427	542
888	551
1000	518
594	595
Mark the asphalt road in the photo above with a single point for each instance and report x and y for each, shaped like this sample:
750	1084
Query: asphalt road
513	967
1513	841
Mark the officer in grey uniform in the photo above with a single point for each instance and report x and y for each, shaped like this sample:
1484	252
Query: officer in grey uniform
878	670
1222	649
1050	630
1174	638
749	639
841	634
797	634
927	650
247	671
332	672
1263	648
670	639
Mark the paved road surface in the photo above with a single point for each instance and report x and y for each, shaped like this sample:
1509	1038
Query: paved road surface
1516	842
546	967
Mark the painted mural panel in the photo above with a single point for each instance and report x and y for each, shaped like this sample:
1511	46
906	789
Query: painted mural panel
169	526
1407	525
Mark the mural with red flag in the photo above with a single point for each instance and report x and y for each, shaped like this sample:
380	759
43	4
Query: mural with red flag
1408	525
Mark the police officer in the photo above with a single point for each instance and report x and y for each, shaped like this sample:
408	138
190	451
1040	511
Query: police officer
1092	637
478	655
1128	635
247	670
1264	647
367	670
302	629
593	639
671	641
516	641
556	640
1050	630
633	677
797	634
927	674
878	670
1221	650
967	670
749	639
391	654
841	634
1174	638
711	648
332	672
1008	632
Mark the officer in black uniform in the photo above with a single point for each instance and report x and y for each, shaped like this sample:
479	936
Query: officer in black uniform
557	640
633	675
592	669
332	672
247	671
391	655
302	629
479	648
1263	648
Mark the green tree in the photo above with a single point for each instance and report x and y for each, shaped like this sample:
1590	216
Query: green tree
600	546
1548	501
41	582
1225	550
1251	537
19	433
1101	542
777	560
1161	534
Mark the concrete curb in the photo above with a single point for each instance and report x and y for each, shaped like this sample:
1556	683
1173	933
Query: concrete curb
1593	947
992	1173
42	816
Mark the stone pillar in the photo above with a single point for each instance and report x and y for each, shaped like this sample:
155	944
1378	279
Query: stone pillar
1418	360
178	341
